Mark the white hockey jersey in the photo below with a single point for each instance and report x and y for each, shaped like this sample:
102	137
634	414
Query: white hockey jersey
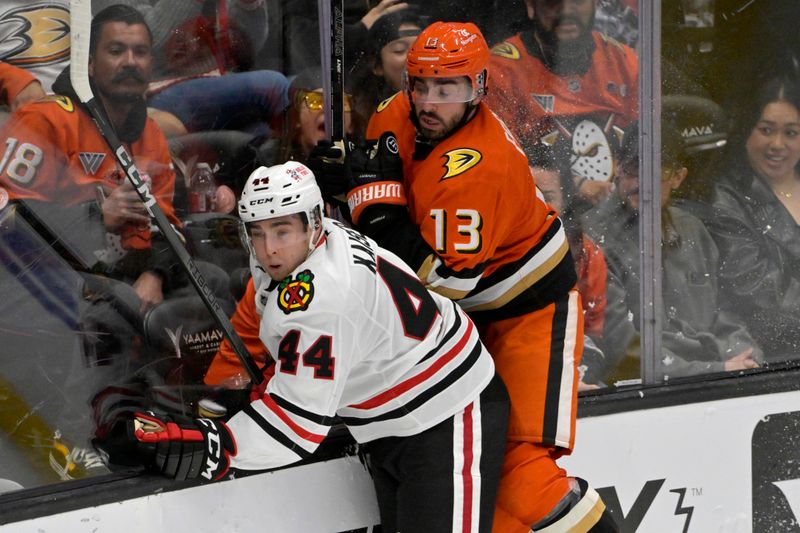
355	335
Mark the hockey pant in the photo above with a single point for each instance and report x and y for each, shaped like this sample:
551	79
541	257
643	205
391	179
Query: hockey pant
537	355
444	479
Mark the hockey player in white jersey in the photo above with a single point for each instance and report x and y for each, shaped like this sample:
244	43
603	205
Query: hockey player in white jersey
356	335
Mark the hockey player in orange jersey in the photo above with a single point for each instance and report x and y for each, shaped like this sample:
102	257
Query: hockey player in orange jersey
559	80
471	222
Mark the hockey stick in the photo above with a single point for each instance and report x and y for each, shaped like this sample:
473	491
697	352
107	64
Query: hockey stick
80	28
331	23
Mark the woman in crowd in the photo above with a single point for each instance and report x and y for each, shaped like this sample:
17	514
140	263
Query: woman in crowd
756	215
304	119
379	72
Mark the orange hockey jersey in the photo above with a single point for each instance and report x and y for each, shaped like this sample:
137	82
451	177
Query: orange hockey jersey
12	81
586	111
499	248
246	321
54	152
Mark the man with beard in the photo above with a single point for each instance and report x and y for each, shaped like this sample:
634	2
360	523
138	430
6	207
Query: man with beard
468	219
558	78
55	153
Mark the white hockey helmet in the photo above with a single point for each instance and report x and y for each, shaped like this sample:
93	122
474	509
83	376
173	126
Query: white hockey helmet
279	190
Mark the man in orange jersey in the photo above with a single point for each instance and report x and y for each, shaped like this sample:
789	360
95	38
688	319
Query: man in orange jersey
54	153
560	81
468	218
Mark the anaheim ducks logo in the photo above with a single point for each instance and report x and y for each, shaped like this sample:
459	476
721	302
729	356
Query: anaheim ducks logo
295	294
383	105
35	35
507	50
459	161
63	101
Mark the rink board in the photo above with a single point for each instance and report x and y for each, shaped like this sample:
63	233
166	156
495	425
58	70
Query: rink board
729	465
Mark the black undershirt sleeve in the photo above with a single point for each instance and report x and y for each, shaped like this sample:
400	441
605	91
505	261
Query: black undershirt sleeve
392	228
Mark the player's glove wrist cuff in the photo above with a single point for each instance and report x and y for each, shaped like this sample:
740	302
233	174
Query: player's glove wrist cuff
379	192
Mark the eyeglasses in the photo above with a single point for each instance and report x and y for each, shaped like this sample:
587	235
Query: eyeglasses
314	100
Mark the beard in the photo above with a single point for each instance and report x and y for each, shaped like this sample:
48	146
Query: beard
117	92
445	128
565	57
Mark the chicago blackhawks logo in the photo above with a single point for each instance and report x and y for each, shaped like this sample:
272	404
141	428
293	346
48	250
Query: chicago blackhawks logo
295	294
35	35
507	50
459	161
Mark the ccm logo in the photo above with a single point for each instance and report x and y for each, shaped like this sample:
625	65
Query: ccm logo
260	201
212	449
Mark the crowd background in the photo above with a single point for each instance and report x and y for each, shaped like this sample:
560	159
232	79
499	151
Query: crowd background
236	84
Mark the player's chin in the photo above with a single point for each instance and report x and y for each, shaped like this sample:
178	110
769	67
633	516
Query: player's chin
277	273
433	134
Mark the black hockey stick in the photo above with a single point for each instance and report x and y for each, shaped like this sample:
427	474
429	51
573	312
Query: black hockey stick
80	29
331	24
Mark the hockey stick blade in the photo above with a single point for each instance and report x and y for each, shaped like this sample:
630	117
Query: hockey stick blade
80	28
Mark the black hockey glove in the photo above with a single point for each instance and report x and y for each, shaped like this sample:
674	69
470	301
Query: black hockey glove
327	162
184	448
375	180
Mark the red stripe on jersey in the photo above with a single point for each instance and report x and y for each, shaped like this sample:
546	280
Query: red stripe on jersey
466	472
410	383
302	433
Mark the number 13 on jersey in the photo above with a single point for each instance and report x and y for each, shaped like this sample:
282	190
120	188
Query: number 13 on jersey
464	227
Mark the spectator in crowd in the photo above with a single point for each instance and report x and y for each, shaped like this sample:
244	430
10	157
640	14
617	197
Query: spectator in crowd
698	336
198	38
560	79
755	218
58	155
379	73
304	119
606	326
475	230
203	52
246	101
302	30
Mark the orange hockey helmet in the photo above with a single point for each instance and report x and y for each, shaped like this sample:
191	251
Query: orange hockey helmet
449	50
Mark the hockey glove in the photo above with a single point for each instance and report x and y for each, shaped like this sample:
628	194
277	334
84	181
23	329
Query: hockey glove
375	178
327	162
184	448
